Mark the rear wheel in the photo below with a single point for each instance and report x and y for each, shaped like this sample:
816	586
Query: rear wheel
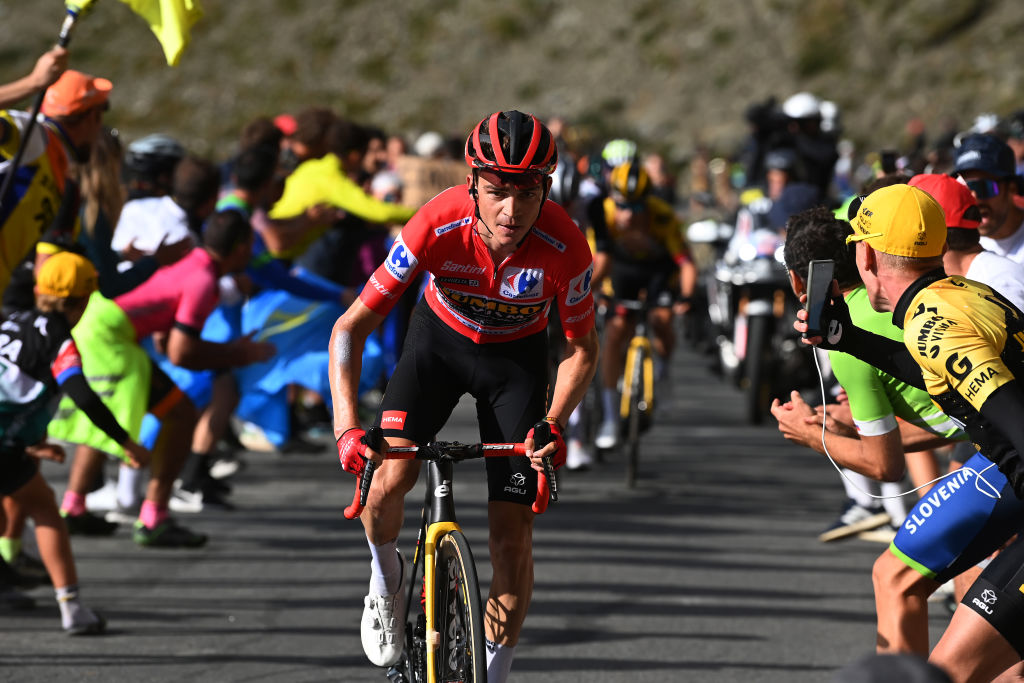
461	655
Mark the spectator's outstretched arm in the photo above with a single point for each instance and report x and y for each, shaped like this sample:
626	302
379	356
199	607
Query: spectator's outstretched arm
48	68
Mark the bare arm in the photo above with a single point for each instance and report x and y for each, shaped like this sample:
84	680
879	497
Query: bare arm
879	457
574	375
47	69
187	351
919	439
346	362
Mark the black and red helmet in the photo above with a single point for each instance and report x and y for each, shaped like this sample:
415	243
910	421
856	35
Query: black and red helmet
511	142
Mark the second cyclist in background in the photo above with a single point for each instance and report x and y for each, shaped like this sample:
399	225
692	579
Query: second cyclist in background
647	257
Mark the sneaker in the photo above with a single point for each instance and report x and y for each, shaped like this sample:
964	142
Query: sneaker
854	519
383	625
122	516
13	599
192	502
31	570
577	458
104	498
167	534
607	434
88	524
226	466
91	624
883	534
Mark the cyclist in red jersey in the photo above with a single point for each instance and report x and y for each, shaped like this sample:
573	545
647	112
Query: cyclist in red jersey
498	254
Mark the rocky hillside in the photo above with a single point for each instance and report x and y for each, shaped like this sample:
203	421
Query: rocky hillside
672	73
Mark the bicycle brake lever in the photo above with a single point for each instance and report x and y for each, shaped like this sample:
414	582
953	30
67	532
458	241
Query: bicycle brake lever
374	438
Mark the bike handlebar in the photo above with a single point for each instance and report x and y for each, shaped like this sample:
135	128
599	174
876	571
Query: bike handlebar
456	452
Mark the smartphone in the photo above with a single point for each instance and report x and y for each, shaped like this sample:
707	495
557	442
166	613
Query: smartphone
819	286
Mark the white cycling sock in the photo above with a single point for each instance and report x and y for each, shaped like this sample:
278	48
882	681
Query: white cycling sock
895	503
128	486
858	487
385	568
499	661
610	403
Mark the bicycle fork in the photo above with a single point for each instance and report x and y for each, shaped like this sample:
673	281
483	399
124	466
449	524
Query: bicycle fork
440	521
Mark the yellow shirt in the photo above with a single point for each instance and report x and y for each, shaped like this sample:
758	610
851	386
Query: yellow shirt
34	198
322	181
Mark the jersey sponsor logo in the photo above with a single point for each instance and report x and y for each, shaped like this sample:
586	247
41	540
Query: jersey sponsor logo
448	227
458	281
933	329
522	283
517	484
393	419
959	367
978	382
550	239
453	267
579	286
581	317
489	312
989	596
381	289
928	505
922	309
400	262
835	332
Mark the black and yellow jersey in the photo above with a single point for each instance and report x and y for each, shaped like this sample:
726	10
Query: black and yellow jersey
661	239
968	340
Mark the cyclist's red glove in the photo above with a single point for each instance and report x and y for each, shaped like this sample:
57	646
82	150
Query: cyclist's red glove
558	457
350	451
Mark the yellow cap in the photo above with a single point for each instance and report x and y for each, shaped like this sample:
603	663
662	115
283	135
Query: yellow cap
66	274
901	220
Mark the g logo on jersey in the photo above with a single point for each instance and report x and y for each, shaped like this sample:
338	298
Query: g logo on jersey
522	283
400	262
579	287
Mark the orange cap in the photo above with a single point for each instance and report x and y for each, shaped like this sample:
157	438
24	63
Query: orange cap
75	92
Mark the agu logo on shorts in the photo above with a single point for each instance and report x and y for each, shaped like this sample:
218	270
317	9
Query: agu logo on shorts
400	262
393	419
522	283
579	287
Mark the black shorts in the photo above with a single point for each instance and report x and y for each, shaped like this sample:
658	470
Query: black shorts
16	469
630	278
998	594
508	380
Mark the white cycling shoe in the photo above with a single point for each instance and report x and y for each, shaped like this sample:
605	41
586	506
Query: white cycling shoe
607	434
383	625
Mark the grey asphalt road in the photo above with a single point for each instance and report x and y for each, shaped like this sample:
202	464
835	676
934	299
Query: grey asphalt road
708	570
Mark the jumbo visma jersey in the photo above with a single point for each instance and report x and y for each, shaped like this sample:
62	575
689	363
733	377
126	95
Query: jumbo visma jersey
969	341
35	194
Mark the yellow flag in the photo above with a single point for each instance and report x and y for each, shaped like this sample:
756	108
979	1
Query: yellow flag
170	21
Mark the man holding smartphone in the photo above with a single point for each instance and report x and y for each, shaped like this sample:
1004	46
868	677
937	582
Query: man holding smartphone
968	341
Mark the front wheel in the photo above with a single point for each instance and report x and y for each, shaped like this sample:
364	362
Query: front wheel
461	654
639	370
758	389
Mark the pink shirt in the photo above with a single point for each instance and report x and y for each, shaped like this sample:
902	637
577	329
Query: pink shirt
184	293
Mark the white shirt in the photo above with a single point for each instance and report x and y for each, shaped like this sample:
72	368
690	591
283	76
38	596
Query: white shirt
149	221
999	273
1011	247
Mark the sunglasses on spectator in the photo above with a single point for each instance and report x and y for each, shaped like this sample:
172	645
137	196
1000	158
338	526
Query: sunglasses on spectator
983	189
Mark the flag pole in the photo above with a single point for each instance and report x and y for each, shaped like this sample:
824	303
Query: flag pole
74	11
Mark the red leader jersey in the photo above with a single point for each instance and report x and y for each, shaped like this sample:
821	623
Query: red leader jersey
469	293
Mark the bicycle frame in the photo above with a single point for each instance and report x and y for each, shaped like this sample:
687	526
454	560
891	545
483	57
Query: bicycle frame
439	508
633	372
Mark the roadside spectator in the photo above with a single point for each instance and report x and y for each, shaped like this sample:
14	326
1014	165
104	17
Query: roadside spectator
987	165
